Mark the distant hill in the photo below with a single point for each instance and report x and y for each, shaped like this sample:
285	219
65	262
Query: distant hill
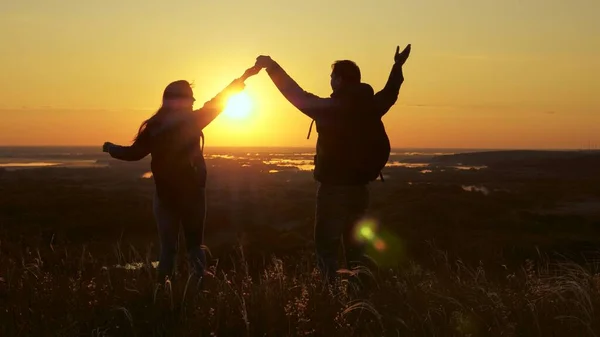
552	160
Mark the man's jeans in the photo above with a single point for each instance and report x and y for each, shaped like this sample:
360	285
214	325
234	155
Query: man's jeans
169	220
339	210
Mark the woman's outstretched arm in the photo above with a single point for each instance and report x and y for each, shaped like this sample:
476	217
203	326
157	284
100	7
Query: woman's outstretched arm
211	109
137	151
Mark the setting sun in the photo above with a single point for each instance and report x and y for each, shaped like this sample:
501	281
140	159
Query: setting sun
238	106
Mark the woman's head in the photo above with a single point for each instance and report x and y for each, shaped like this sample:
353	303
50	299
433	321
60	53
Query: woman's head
178	95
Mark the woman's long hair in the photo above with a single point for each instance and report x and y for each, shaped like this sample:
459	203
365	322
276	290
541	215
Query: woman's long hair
174	91
151	121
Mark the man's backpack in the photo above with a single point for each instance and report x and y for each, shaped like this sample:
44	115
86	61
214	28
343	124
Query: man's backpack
373	150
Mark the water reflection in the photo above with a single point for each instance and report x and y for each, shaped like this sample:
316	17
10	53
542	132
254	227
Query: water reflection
221	156
41	164
304	161
30	164
466	168
422	154
300	164
407	165
473	188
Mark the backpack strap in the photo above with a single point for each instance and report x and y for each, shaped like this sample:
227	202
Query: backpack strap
202	141
201	151
310	129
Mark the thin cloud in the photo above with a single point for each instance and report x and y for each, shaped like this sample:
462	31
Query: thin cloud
473	57
59	109
474	107
460	106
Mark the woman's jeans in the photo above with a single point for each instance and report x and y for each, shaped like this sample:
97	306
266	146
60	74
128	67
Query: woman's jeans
169	220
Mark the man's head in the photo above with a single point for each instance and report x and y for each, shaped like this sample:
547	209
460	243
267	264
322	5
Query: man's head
343	73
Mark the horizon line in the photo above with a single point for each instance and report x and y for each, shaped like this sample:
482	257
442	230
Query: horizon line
312	147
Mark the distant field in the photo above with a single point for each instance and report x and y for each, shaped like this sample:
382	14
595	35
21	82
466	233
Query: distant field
507	251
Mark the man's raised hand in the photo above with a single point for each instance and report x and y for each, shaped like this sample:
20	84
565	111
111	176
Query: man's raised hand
401	57
263	61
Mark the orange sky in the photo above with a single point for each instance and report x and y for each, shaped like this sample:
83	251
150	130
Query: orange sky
486	74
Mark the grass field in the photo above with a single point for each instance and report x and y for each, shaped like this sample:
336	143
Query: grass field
77	246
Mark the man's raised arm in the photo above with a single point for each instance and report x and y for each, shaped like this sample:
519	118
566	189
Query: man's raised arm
388	96
309	104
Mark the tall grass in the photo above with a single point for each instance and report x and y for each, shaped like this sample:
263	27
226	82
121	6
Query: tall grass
54	291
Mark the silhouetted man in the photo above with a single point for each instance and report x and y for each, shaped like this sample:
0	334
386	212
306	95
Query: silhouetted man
352	148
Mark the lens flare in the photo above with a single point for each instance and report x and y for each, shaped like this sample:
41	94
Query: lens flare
365	230
388	249
367	233
380	245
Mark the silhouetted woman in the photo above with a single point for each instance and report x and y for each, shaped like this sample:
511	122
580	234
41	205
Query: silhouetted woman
178	167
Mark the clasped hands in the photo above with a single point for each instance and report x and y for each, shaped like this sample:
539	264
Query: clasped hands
264	61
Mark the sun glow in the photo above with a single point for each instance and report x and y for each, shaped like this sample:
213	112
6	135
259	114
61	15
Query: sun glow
238	106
